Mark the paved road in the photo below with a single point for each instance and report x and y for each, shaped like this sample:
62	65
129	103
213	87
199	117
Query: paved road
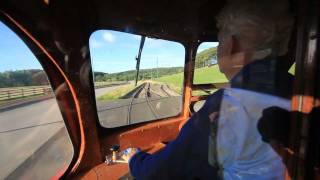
102	91
25	129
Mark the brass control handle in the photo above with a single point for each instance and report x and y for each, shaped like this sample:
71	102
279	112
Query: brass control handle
115	148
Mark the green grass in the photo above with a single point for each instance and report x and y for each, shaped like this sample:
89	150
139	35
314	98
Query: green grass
208	75
292	69
174	81
201	76
116	93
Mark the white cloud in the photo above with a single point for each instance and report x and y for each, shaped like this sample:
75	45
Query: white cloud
108	37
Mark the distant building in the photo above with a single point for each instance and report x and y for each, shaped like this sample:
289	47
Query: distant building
212	61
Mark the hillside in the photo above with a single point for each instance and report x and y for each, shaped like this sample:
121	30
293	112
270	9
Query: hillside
201	76
205	57
144	74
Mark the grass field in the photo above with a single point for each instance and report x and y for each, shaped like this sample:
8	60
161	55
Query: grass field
201	76
116	93
204	75
174	81
208	75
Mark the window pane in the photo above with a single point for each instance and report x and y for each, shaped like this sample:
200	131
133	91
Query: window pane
292	69
206	69
158	91
34	142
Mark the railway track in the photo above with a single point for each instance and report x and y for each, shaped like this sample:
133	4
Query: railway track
147	95
134	95
148	91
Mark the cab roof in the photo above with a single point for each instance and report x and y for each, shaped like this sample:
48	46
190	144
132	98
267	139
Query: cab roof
177	20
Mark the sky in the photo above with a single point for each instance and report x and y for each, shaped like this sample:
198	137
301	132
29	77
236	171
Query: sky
14	54
110	52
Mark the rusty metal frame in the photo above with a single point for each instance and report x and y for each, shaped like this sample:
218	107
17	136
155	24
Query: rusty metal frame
304	99
86	145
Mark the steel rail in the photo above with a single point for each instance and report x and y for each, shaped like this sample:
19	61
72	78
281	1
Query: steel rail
149	103
162	88
160	98
134	95
154	92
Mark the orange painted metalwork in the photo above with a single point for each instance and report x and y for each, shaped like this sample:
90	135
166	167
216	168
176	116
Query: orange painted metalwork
117	170
303	104
209	86
198	98
188	78
153	133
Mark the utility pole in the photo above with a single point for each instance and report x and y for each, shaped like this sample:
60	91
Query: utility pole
157	68
143	38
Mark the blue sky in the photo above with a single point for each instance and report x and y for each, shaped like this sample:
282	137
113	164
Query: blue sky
14	54
110	51
113	51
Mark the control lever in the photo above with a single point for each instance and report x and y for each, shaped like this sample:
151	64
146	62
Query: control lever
114	156
114	149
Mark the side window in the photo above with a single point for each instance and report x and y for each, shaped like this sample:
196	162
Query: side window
34	141
292	69
206	68
157	94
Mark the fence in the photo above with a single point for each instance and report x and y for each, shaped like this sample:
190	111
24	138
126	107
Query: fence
15	93
107	84
21	92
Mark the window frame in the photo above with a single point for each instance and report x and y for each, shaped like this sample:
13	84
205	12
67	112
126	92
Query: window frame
182	112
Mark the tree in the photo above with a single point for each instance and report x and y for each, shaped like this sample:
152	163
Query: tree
204	57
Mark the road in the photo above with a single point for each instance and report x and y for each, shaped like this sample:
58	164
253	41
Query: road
25	129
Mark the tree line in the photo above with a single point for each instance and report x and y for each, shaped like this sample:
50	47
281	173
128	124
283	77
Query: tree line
31	77
36	77
144	74
203	59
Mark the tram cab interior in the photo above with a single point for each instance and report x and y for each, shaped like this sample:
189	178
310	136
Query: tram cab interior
58	33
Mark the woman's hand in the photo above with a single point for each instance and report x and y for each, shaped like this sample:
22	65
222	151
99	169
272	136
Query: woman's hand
128	153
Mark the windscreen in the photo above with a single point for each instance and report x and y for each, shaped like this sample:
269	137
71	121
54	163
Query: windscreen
137	79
